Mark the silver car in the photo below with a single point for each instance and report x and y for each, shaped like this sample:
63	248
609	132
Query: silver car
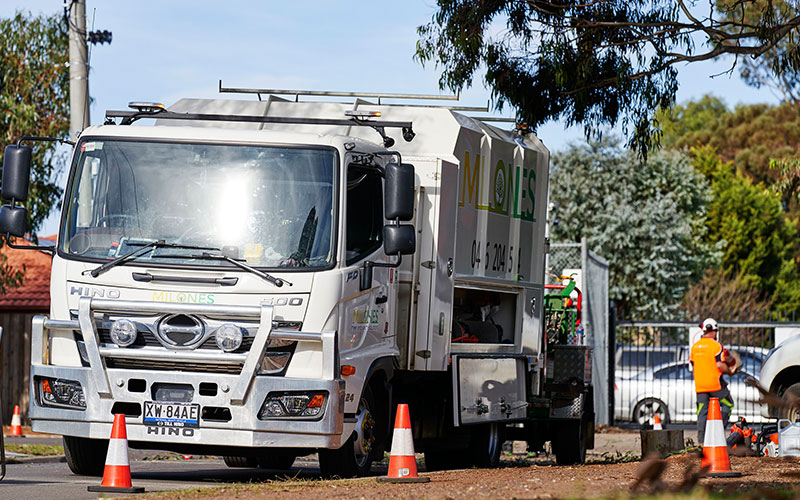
668	391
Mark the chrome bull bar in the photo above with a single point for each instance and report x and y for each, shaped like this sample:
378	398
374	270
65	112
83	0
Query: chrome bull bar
87	306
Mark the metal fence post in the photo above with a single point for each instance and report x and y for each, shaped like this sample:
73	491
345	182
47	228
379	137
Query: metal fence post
612	367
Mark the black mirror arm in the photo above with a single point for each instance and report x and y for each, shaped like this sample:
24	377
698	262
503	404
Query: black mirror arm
385	264
366	271
50	250
390	153
51	139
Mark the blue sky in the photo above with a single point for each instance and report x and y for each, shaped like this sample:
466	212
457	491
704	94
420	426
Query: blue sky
165	50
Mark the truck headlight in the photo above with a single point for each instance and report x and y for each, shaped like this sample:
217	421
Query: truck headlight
228	337
293	404
123	332
61	393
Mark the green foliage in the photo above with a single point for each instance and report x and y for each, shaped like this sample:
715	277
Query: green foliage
34	449
596	63
718	293
748	222
777	67
647	218
749	135
34	99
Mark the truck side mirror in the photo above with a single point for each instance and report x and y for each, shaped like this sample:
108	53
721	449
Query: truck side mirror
400	239
16	173
399	191
13	220
16	176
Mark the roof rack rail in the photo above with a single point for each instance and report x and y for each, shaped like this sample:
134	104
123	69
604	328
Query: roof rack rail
484	109
330	93
495	119
129	117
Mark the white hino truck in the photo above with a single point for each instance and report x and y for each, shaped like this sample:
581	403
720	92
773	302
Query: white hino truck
262	280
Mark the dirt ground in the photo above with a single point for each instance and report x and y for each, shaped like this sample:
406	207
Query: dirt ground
520	482
527	477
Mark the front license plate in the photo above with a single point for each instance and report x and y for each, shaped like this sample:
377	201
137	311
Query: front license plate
171	414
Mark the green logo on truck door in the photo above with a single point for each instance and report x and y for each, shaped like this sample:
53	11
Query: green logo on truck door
512	189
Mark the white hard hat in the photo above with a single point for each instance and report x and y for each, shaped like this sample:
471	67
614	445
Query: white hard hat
710	325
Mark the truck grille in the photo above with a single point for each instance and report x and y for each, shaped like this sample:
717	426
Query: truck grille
141	364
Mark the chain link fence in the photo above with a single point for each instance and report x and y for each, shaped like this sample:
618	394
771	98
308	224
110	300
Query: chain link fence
562	257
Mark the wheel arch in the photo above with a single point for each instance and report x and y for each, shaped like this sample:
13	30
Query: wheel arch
785	378
379	379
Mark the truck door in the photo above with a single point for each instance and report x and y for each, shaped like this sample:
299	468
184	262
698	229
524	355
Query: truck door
366	316
436	223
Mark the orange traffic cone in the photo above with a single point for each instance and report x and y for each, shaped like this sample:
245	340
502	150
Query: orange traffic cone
16	423
657	423
715	449
117	473
402	463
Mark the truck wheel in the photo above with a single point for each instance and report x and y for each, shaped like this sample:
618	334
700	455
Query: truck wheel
791	413
569	443
86	457
486	443
359	451
233	461
276	462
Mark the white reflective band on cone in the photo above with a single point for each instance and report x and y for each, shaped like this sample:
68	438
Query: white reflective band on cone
402	443
117	452
715	434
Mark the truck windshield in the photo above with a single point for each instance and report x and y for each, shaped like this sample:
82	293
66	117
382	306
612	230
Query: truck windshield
270	206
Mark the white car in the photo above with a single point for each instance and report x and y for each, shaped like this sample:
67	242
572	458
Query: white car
668	391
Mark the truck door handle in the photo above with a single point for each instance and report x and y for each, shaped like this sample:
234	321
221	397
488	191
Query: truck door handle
382	299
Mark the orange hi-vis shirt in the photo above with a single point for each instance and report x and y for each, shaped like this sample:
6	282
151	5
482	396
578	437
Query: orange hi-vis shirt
704	356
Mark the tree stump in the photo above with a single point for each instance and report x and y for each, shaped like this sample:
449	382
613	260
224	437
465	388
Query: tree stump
661	442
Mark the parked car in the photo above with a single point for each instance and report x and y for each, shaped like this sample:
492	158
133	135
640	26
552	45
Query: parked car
630	360
668	390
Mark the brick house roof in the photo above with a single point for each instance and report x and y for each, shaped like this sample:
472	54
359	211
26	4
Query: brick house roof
34	293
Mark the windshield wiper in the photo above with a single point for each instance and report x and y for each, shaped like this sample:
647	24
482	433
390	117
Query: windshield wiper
236	262
145	248
272	279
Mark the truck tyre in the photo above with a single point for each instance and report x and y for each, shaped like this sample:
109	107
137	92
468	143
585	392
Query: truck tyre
276	462
234	461
569	443
486	443
791	412
355	457
86	457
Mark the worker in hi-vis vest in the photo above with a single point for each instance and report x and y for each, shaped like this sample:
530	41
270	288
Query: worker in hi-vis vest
710	361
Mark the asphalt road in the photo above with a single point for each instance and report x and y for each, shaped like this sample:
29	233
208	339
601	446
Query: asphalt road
49	481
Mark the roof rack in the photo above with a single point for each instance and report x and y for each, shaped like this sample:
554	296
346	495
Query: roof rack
129	117
333	93
372	95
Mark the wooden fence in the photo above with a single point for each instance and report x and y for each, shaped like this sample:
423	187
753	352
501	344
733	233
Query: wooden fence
15	363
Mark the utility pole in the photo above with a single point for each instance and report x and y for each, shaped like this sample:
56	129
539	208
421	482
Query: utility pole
78	68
